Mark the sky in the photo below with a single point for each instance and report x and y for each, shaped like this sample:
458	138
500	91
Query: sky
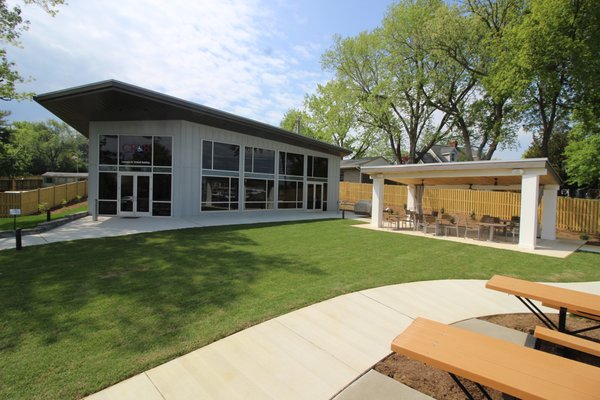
253	58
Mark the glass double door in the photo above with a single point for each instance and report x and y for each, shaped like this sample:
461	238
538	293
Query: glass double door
314	199
134	195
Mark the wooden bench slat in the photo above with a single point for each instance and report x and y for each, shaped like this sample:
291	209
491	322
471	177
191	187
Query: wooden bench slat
571	299
575	312
512	369
569	341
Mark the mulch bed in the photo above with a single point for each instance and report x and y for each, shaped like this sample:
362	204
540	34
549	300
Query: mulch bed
439	385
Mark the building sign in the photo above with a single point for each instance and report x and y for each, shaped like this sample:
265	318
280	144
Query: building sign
136	150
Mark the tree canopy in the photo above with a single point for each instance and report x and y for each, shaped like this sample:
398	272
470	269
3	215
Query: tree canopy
32	148
12	25
478	71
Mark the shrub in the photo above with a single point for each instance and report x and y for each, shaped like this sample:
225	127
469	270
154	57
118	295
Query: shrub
43	207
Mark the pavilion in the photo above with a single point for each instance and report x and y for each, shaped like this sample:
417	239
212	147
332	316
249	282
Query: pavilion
534	178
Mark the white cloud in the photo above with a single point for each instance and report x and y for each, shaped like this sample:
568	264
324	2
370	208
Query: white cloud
216	53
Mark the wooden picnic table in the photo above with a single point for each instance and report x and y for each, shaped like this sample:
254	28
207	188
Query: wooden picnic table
512	369
562	299
491	226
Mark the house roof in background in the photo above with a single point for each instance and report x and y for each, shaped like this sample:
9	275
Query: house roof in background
359	162
113	100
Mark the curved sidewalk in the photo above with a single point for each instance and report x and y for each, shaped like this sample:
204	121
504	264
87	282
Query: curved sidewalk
315	352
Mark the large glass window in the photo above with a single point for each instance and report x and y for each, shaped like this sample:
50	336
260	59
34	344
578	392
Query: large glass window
135	150
219	193
107	193
258	193
291	164
317	167
163	149
259	160
290	194
220	156
161	195
207	149
226	156
109	149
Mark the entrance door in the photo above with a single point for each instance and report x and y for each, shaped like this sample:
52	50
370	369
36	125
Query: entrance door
134	195
314	199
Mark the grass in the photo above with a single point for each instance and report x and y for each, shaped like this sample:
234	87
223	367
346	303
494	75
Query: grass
31	221
79	316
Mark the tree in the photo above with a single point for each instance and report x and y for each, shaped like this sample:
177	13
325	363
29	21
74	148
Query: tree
12	26
329	115
385	70
413	76
582	154
51	146
549	58
556	149
14	159
298	121
466	41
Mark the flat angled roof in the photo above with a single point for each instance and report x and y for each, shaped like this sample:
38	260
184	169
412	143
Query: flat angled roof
113	100
483	173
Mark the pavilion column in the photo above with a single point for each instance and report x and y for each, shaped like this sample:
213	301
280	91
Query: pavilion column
549	197
411	197
377	202
529	211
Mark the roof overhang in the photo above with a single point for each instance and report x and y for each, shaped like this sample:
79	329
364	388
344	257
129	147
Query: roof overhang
117	101
488	175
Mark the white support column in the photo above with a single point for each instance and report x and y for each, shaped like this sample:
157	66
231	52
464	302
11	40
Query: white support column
411	196
377	202
549	197
529	211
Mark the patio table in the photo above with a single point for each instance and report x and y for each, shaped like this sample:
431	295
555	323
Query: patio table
491	226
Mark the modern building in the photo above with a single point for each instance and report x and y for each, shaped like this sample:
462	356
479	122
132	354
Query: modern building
155	155
350	169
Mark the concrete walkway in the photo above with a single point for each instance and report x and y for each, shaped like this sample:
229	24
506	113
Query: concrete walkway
317	351
87	228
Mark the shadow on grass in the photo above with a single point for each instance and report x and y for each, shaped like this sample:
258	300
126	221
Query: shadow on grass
132	283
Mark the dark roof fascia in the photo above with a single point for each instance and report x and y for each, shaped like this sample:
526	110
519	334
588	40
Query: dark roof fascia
249	126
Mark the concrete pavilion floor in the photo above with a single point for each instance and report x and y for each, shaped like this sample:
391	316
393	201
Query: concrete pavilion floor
87	228
560	248
318	351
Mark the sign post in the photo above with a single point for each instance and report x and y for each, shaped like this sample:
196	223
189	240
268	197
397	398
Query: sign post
14	212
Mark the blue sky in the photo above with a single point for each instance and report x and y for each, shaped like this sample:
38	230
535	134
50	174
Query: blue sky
255	58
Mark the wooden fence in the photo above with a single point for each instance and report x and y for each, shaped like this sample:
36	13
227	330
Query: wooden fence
30	201
579	215
20	183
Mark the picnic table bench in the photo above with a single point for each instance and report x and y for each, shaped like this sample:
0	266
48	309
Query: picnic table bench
572	342
580	303
512	369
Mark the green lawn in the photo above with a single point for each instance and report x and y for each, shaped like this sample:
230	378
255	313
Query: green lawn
76	317
31	221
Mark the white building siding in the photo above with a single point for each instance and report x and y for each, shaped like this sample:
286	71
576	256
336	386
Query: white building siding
187	158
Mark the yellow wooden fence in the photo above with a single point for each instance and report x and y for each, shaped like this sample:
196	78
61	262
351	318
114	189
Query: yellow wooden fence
579	215
29	201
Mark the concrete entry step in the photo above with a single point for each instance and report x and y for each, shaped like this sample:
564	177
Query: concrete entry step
374	385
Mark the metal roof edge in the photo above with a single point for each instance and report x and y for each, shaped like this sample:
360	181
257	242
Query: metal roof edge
112	84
